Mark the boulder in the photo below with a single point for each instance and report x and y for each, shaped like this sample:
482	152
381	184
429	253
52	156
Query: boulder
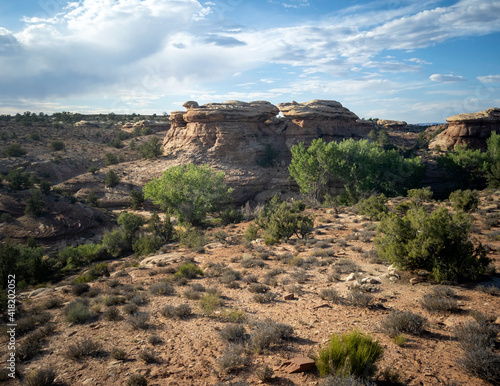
471	130
298	365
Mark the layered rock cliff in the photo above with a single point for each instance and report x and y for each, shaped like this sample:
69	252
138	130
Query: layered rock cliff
471	130
239	133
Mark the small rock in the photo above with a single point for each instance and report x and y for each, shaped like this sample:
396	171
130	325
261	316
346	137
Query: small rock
415	280
423	273
351	277
288	297
297	365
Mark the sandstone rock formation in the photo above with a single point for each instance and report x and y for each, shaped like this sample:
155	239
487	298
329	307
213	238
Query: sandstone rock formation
392	125
238	136
471	130
320	119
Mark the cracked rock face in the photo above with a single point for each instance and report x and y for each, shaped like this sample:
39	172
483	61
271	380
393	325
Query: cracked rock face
472	130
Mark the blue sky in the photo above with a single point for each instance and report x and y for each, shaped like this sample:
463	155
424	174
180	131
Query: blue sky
394	59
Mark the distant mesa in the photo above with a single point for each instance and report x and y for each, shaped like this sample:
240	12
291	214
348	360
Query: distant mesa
472	130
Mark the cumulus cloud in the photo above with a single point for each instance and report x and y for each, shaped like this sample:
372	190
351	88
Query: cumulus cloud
145	49
489	79
446	78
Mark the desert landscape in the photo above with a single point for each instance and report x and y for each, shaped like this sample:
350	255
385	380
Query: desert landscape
117	283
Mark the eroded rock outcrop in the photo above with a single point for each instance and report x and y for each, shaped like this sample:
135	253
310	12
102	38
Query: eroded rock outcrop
241	137
392	125
232	132
239	132
320	119
471	130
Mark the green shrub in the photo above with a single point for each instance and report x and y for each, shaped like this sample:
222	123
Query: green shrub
136	199
19	180
74	257
14	150
192	238
189	271
93	199
34	136
210	302
139	321
349	354
34	203
112	179
422	194
57	145
438	242
78	312
162	229
465	200
110	159
360	166
145	245
251	232
151	149
374	207
190	191
280	221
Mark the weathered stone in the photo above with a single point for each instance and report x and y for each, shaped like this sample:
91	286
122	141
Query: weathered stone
351	277
298	365
392	125
471	130
288	296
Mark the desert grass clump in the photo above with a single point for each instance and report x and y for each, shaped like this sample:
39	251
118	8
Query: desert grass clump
358	298
137	380
268	333
483	318
112	314
232	357
399	340
161	289
477	341
130	308
148	356
264	297
344	380
79	288
489	289
398	322
210	302
439	304
181	311
140	299
78	312
31	322
258	288
234	333
349	354
84	348
51	303
41	377
118	354
139	321
331	295
265	373
155	340
113	300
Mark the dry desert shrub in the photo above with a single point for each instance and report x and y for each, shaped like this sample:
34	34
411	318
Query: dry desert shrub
398	322
41	377
84	348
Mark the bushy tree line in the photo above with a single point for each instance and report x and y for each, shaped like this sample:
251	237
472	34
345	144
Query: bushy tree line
361	167
472	168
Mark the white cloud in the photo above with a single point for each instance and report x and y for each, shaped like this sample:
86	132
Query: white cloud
446	78
489	79
141	50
